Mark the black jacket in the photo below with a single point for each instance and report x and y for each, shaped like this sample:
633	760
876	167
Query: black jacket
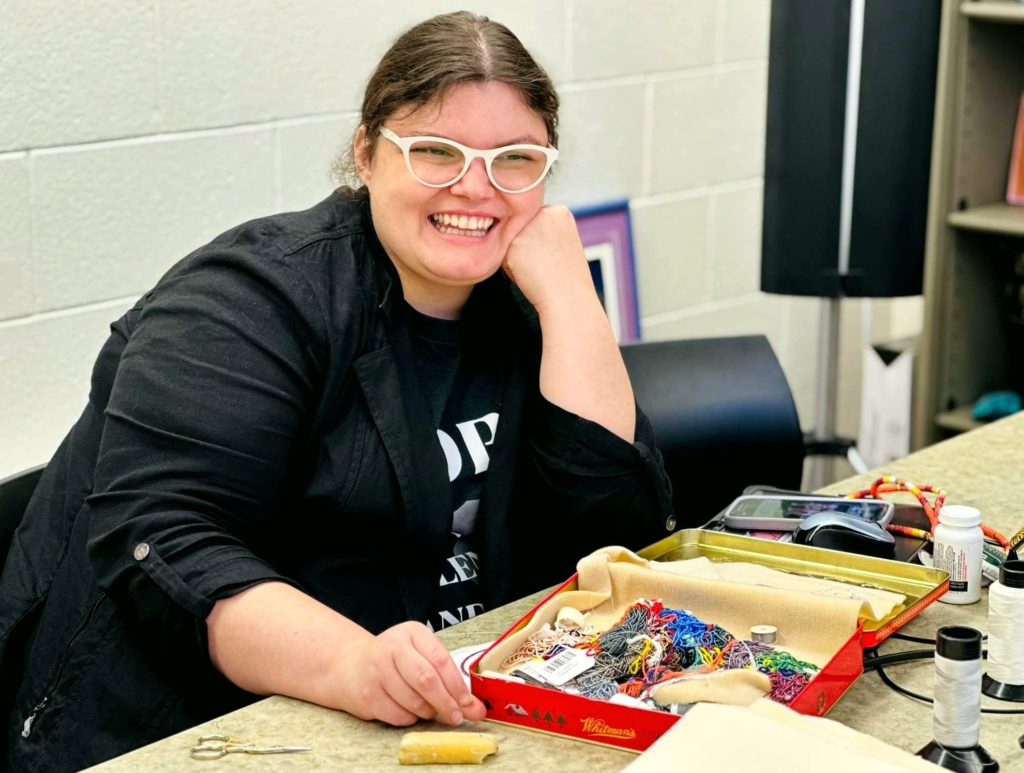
256	417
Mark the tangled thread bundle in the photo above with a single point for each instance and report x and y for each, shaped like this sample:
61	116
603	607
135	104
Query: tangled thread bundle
653	645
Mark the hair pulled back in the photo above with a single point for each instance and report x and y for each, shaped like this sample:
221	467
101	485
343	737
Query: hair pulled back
442	52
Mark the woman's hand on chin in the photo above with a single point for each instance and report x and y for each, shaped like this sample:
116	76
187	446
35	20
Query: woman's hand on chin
547	263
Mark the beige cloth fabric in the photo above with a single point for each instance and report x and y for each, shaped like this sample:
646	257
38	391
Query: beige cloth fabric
770	738
738	687
876	604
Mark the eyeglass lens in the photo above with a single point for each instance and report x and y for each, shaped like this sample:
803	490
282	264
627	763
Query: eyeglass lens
438	163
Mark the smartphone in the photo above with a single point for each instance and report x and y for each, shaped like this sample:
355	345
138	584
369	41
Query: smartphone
783	512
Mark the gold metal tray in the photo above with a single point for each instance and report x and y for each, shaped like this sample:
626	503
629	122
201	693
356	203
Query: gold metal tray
920	584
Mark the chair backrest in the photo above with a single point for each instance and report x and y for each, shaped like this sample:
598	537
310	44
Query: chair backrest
723	416
15	492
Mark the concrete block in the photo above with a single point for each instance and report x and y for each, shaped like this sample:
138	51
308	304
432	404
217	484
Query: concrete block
736	254
799	355
708	129
602	139
750	315
306	153
672	263
610	38
16	295
243	61
111	219
799	339
75	72
745	30
44	379
848	406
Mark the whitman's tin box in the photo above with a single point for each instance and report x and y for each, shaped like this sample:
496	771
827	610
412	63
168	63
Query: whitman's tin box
551	710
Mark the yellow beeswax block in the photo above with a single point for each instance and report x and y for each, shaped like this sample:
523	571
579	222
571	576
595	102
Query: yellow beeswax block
445	748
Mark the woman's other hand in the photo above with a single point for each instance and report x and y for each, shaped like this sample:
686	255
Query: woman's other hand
581	369
547	263
404	674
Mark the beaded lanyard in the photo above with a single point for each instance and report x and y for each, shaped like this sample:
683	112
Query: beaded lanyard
888	484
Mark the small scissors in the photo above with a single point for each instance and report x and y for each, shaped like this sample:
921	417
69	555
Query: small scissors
213	747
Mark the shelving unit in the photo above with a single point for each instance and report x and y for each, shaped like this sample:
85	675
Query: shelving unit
968	344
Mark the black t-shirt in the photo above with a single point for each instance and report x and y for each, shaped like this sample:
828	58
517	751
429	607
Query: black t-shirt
463	397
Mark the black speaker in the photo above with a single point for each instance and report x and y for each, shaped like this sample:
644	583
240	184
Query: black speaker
807	184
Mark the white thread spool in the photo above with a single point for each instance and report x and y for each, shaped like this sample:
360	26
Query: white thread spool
958	545
956	719
765	634
1005	677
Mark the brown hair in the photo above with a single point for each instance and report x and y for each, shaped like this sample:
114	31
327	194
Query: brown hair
442	52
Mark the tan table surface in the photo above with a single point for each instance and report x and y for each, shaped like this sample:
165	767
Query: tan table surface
984	468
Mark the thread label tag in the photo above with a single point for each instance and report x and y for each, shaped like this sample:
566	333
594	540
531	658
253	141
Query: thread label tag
566	665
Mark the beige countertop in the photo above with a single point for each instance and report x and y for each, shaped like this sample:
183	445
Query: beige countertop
984	468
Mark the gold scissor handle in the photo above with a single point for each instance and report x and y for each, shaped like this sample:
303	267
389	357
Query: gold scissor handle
213	747
222	739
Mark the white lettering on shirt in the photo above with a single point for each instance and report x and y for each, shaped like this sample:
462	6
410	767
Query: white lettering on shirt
475	443
464	567
451	454
461	614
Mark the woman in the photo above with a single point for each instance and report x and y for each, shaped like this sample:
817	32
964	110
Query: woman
327	434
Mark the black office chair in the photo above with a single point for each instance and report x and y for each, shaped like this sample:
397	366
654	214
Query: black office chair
15	492
723	416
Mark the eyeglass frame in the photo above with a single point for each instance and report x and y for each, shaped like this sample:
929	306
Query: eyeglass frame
470	154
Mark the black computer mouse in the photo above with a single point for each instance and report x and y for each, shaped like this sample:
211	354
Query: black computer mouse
839	531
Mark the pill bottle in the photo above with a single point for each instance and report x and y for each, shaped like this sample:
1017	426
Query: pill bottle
958	543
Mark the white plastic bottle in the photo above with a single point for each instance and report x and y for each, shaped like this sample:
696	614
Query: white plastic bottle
958	543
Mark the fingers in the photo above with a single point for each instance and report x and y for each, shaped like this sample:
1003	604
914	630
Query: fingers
408	675
546	258
404	697
385	708
427	668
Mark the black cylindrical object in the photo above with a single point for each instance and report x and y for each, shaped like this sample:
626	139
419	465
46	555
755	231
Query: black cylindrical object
808	72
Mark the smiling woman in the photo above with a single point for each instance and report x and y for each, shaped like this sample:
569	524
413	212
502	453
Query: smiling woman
327	434
440	263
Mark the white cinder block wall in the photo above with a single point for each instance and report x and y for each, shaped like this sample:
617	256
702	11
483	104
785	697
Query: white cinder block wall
132	131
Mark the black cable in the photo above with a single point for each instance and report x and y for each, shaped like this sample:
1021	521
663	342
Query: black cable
902	690
916	639
896	657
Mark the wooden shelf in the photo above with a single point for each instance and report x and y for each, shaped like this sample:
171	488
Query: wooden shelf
969	345
958	420
1007	11
997	218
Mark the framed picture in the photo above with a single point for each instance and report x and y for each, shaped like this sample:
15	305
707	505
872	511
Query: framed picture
1015	185
608	243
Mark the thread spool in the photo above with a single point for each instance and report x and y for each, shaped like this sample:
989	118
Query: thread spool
956	717
766	634
1005	677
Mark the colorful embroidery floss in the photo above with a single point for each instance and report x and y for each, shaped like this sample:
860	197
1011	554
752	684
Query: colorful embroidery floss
651	645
